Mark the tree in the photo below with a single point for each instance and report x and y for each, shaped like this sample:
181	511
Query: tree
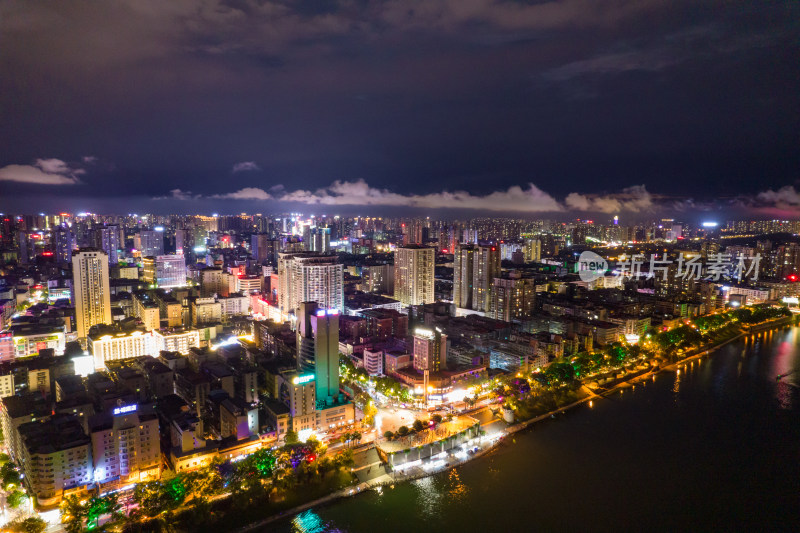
402	431
32	524
155	497
324	466
291	437
369	412
388	435
344	459
102	505
418	425
10	476
72	514
199	514
16	498
437	418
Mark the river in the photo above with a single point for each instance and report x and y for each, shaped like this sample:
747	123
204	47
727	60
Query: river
714	446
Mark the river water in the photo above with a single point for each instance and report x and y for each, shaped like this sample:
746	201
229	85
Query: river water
713	447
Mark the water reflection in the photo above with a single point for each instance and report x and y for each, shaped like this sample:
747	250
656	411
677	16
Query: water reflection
785	368
676	387
729	402
429	497
458	490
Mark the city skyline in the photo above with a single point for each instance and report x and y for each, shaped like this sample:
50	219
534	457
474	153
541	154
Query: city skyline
306	265
567	108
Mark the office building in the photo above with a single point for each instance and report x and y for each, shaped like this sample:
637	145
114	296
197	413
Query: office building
165	271
149	243
91	291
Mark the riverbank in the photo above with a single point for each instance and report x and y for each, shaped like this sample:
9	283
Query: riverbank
494	444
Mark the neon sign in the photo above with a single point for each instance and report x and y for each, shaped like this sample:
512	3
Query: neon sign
299	380
124	409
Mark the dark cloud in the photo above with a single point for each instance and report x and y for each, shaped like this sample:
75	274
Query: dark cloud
695	100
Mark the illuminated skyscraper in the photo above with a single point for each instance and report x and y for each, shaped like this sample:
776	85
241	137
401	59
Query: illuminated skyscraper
150	242
486	267
63	244
463	262
107	239
309	277
512	297
533	249
264	249
91	290
318	347
430	350
413	274
475	269
165	271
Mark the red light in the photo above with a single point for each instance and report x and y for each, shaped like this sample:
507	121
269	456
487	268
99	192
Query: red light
792	277
47	254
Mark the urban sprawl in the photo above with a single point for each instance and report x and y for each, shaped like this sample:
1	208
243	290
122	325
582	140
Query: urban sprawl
228	368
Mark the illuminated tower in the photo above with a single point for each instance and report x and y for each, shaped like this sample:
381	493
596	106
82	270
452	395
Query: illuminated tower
92	293
309	277
413	274
463	259
318	347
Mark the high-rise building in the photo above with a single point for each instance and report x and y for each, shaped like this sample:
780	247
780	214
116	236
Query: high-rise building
183	241
309	277
486	267
63	244
91	290
533	249
318	347
512	297
264	249
125	446
413	274
788	260
463	263
165	271
430	350
150	242
475	269
319	240
107	239
25	247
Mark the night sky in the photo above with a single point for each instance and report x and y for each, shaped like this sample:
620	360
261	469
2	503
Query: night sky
563	108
